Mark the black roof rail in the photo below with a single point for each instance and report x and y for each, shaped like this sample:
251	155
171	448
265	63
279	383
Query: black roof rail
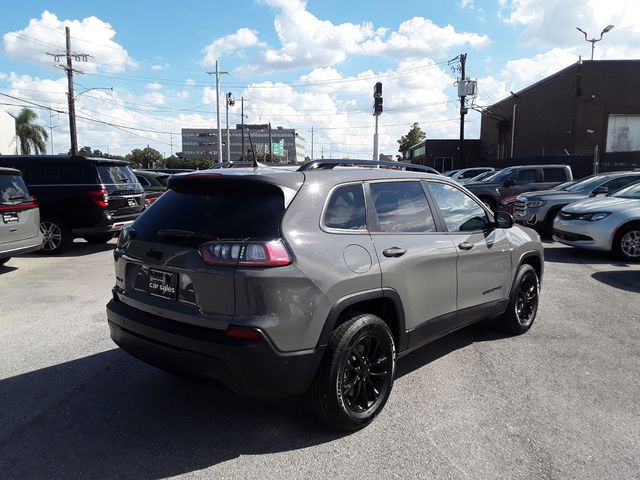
330	164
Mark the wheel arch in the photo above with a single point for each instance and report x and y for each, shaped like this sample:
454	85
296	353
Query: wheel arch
536	262
385	303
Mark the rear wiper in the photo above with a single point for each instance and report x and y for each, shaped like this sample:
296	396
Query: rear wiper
168	233
19	197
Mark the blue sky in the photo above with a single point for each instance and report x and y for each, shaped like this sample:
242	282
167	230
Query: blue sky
155	56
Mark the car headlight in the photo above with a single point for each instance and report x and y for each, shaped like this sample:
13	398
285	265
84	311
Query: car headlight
535	203
593	217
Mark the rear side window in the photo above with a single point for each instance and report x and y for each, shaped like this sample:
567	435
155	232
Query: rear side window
401	207
345	209
618	183
111	174
554	175
60	172
231	211
12	187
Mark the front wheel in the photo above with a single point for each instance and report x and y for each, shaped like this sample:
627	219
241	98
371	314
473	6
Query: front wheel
356	375
626	243
523	303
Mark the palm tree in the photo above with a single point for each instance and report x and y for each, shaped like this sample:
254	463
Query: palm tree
29	133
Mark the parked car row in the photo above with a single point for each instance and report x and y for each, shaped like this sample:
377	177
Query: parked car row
91	198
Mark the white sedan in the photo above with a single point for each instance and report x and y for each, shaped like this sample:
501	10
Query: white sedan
609	223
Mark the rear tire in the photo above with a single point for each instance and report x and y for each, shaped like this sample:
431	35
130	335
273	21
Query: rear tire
523	302
355	377
57	236
103	238
626	244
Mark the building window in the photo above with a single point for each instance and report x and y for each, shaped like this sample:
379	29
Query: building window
623	133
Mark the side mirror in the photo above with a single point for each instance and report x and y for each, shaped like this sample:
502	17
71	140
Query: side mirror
601	190
504	220
509	182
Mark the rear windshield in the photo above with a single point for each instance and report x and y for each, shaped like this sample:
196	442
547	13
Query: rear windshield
244	210
12	187
116	174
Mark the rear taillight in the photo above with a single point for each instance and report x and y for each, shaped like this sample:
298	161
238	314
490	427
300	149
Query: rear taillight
245	254
31	203
100	198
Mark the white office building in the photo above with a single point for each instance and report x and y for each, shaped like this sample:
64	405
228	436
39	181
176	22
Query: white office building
7	134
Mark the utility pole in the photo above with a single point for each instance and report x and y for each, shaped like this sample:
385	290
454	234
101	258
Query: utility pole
171	142
217	73
312	143
51	128
463	110
270	145
242	125
69	69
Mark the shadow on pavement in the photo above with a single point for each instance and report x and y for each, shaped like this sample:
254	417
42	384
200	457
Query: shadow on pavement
6	269
80	248
484	331
130	420
628	280
561	254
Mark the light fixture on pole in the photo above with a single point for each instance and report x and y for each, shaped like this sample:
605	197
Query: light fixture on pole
229	101
593	41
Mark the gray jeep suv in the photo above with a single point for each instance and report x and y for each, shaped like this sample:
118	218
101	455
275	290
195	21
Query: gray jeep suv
280	282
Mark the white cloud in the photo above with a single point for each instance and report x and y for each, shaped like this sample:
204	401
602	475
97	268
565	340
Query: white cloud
308	41
190	81
553	22
242	38
182	95
155	98
159	67
154	86
89	35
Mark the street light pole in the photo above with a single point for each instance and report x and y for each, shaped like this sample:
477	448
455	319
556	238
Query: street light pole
594	40
228	102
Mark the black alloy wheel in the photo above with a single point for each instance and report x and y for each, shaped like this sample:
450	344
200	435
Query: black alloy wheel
523	302
366	374
355	378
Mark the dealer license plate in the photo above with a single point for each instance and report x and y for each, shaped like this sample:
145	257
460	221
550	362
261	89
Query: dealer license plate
163	284
11	217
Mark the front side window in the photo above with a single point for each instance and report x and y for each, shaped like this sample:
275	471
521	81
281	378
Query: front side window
461	212
554	174
401	207
346	209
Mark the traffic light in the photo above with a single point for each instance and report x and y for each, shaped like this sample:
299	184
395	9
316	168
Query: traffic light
377	98
377	106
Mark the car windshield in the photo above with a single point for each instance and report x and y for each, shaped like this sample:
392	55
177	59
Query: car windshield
632	191
482	177
450	173
586	185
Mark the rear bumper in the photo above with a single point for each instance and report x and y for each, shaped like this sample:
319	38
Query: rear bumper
7	251
247	367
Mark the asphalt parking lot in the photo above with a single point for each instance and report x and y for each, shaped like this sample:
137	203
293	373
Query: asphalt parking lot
558	402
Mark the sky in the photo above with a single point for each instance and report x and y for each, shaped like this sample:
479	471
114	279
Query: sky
298	64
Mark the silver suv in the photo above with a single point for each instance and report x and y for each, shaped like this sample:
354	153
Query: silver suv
19	217
279	282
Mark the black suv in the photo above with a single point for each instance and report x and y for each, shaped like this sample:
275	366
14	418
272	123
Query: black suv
514	180
92	198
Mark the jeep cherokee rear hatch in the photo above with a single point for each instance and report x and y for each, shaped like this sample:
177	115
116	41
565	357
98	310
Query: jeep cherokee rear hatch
182	254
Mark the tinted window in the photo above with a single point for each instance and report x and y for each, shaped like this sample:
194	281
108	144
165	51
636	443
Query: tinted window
234	210
525	176
471	173
346	208
620	182
59	172
12	187
142	180
401	207
461	212
554	175
116	174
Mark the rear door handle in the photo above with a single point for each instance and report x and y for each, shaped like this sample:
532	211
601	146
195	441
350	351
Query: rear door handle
465	246
394	252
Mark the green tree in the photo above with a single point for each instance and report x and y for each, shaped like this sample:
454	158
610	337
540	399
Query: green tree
413	137
32	136
145	158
